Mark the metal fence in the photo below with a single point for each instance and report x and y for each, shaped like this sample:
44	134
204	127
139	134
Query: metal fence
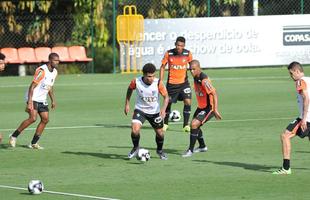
153	9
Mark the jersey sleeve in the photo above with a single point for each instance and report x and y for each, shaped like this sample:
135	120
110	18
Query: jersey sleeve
207	85
301	85
132	84
165	59
38	76
162	88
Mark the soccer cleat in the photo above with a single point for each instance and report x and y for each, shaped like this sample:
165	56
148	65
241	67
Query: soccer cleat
133	152
187	128
200	149
162	155
165	128
35	146
282	171
187	153
12	141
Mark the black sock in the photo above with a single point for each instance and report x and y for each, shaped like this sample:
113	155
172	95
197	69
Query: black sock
286	164
186	114
193	138
16	133
168	110
35	139
160	142
200	139
135	140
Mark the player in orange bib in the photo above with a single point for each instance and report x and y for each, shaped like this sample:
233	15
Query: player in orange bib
301	125
207	108
36	98
177	84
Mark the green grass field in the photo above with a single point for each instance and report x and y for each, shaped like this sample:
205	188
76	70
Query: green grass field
88	138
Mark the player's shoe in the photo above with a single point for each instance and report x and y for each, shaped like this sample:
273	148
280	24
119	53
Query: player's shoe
165	127
162	155
187	153
35	146
200	149
187	129
282	171
12	141
133	152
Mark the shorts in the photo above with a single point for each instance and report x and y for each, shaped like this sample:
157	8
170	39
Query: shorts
179	92
40	106
155	120
203	115
294	127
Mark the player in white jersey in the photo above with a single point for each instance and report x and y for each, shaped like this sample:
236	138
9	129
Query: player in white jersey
147	107
36	97
301	125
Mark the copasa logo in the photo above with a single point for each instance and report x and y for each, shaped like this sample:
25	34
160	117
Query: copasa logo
296	35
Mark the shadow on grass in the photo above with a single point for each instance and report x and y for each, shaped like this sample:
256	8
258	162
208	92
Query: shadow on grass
99	155
247	166
302	151
168	151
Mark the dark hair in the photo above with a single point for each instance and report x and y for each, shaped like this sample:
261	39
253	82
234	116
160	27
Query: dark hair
52	55
149	68
295	65
2	56
180	39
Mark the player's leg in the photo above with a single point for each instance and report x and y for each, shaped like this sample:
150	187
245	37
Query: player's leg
44	115
156	122
186	94
166	120
291	130
32	117
137	120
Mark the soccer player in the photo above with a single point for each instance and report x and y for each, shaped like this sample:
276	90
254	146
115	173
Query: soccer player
41	86
177	84
147	107
2	64
207	108
301	125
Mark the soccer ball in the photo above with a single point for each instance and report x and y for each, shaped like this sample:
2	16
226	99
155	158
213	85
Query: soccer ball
35	187
175	116
143	155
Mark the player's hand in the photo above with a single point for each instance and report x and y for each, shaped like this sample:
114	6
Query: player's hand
217	115
126	110
29	107
53	106
303	124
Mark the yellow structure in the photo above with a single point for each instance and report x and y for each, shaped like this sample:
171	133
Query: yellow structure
130	34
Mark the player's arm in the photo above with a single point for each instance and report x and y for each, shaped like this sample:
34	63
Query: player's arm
164	93
52	96
38	76
213	94
304	94
131	87
163	66
30	94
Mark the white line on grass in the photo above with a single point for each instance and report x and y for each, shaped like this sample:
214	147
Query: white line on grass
116	125
60	193
122	83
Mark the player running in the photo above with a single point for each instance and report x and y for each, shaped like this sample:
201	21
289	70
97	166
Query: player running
147	107
177	84
301	125
207	108
36	97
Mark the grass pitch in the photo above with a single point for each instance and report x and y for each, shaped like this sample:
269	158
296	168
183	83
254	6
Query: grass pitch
88	138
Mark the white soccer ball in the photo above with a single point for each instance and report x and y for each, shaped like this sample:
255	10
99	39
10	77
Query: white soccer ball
175	116
35	187
143	155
